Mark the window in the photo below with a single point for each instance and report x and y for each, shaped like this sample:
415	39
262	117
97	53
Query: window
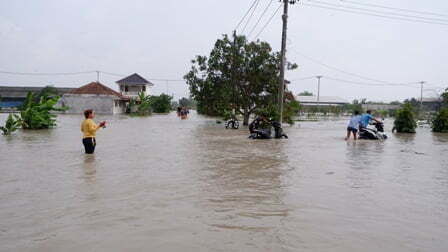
144	88
126	88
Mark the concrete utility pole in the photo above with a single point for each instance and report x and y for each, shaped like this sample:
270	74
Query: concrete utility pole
281	87
318	88
421	95
97	76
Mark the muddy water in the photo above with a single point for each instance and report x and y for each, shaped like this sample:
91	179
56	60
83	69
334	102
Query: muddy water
161	184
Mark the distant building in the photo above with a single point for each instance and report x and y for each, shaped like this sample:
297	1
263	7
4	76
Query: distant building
432	103
380	106
96	96
13	97
323	101
134	84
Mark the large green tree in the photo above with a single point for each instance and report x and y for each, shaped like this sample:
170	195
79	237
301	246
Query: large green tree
237	75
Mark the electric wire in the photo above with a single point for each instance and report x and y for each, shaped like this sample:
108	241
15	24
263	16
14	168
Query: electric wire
259	19
346	72
268	22
378	12
374	15
396	9
46	74
354	82
245	15
251	15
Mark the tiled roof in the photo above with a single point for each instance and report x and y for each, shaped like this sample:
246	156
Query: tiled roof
96	88
134	79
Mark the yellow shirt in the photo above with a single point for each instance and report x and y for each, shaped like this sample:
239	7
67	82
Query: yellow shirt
89	128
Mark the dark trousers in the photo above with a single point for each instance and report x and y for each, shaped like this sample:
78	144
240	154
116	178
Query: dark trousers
89	144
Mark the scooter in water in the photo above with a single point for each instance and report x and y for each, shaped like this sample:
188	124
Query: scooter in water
265	133
373	134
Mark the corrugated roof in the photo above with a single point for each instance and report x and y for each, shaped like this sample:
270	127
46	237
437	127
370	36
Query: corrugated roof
21	92
134	79
96	88
322	99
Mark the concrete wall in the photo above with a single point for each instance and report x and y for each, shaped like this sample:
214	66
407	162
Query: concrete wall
379	106
101	104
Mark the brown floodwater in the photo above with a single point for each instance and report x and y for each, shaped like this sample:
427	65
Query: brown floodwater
162	184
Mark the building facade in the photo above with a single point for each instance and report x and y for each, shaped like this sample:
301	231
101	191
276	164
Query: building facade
96	96
132	85
13	97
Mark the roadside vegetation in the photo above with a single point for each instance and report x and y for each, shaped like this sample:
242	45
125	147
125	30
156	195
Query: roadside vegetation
239	76
439	123
405	119
145	105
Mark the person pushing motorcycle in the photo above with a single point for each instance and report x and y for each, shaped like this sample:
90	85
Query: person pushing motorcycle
365	120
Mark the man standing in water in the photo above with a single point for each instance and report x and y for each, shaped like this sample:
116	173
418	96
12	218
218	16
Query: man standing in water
89	128
365	120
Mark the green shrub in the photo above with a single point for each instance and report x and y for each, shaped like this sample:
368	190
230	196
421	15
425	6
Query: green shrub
405	120
11	125
440	121
161	103
37	114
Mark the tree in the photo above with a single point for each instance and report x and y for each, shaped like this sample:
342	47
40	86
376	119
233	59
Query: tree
445	98
237	75
186	102
37	115
306	93
161	103
440	121
405	119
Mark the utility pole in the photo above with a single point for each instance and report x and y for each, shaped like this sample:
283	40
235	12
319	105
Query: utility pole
281	87
421	95
97	76
318	88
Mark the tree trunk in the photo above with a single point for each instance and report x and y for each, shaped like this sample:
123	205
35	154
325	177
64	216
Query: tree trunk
246	117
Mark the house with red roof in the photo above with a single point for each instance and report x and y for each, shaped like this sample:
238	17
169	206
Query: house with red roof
96	96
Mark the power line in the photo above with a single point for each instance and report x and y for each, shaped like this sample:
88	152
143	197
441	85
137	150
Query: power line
397	9
155	79
268	22
245	15
48	74
261	16
354	82
346	72
251	15
380	12
374	15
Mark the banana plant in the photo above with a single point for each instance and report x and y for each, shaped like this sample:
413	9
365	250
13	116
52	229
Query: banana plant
11	125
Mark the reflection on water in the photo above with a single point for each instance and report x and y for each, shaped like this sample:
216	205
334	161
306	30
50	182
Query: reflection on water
163	184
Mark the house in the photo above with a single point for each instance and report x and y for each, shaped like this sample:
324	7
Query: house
96	96
134	84
323	101
13	97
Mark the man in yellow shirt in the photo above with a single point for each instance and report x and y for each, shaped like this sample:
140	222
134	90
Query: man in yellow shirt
89	128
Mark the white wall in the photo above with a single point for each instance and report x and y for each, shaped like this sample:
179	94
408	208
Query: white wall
101	104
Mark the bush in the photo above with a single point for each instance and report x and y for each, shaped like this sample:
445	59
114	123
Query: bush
161	103
405	120
37	114
440	121
11	125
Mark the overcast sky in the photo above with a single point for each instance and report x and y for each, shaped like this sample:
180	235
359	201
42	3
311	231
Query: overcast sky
157	39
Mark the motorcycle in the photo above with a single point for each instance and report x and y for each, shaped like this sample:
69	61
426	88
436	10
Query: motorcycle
233	124
265	133
373	134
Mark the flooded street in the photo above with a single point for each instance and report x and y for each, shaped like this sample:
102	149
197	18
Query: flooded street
162	184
